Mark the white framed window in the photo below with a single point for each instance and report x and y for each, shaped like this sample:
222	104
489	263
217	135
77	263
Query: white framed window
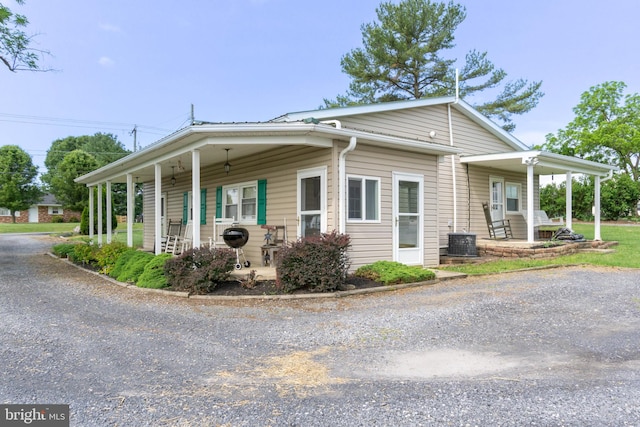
363	199
55	210
513	197
239	201
7	212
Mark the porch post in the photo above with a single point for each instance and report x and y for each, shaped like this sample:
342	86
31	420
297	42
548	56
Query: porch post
100	215
130	209
596	198
195	182
530	225
91	218
157	201
569	211
109	213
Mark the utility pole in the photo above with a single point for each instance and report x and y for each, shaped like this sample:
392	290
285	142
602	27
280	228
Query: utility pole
134	132
193	118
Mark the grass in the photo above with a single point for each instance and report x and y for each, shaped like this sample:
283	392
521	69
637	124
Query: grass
119	234
625	255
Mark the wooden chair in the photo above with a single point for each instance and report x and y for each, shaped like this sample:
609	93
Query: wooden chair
177	244
277	240
174	228
498	229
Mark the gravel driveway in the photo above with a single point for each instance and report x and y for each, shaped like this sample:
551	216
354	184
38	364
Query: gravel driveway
556	347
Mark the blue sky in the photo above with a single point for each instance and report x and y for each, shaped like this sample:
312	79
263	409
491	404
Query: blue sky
121	63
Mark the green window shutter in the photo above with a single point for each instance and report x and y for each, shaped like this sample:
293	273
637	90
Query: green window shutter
218	202
262	202
203	206
185	207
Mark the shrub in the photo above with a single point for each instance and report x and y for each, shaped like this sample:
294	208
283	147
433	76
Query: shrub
63	250
57	219
199	270
153	275
108	254
390	273
121	262
134	266
84	254
319	263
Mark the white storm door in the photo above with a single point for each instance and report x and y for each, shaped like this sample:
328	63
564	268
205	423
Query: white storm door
408	229
497	198
312	202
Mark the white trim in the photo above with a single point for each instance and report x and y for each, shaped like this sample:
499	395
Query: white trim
310	173
411	256
363	200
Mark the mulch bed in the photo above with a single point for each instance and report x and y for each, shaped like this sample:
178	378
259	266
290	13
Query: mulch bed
269	287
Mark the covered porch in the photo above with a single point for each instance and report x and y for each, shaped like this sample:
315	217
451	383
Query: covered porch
539	163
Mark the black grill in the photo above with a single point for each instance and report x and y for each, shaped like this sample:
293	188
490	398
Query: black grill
462	244
235	237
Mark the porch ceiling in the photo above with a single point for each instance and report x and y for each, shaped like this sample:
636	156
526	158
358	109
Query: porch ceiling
544	163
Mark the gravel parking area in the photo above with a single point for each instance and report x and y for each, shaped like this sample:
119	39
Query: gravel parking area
556	347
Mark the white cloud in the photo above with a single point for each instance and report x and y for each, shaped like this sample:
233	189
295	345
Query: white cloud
105	61
110	28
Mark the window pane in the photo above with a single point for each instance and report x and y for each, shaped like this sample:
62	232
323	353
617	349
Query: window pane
371	199
249	192
408	197
408	231
231	196
310	197
355	198
231	211
513	197
310	225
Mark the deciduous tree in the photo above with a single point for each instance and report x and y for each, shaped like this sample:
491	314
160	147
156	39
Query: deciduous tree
606	129
16	47
18	180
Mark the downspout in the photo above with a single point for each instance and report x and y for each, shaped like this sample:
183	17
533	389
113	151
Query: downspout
342	184
453	171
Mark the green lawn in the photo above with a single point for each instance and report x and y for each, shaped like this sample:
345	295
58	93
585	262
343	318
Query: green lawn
119	234
625	255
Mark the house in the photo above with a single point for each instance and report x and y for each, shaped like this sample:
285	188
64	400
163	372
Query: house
397	177
44	211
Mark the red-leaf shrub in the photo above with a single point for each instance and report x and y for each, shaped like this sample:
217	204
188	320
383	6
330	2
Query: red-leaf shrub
199	270
318	263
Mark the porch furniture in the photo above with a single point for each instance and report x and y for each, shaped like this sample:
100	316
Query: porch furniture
498	229
219	225
180	243
541	219
276	238
173	230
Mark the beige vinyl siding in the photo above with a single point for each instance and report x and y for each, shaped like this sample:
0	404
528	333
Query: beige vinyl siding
415	123
374	241
278	166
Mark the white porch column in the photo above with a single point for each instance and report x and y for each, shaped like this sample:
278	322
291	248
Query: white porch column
569	211
195	183
530	225
596	199
109	213
100	215
91	218
130	209
157	201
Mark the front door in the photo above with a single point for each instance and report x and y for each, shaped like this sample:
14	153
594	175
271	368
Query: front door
408	230
312	201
